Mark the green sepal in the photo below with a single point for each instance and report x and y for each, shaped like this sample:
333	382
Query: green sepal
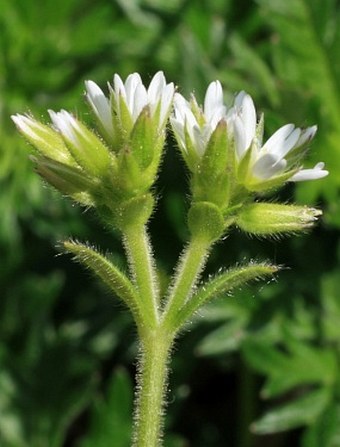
128	180
221	285
133	212
197	111
243	167
89	151
116	280
48	143
124	118
266	219
215	157
142	139
257	185
189	153
205	221
205	189
69	180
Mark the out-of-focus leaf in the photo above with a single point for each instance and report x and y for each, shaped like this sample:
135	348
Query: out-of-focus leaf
303	411
331	306
245	56
302	364
112	417
226	338
325	431
305	43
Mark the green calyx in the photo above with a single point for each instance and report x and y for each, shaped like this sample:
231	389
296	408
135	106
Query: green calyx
133	212
206	221
265	219
213	175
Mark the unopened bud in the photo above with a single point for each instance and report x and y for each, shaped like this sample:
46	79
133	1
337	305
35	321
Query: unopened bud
271	218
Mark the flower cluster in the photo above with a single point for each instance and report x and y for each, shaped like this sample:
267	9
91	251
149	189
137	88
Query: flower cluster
222	146
255	165
119	161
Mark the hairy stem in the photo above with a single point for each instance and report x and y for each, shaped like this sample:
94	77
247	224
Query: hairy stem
187	274
151	389
142	267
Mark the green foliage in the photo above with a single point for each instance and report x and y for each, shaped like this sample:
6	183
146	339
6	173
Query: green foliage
111	416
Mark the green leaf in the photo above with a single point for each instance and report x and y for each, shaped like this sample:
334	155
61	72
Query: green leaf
331	306
221	285
325	431
106	271
247	56
111	417
304	51
302	365
303	411
226	338
301	55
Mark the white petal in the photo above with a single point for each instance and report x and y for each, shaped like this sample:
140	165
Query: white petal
239	136
198	140
166	101
140	100
131	83
277	139
66	124
26	125
268	166
287	144
213	99
181	107
177	127
248	116
310	174
100	105
156	87
218	115
119	87
306	136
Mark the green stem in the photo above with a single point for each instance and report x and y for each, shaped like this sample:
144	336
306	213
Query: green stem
151	388
142	267
187	274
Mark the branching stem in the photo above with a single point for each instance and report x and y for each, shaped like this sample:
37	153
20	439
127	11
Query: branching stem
142	265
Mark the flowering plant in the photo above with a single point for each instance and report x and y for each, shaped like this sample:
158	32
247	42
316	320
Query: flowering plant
113	170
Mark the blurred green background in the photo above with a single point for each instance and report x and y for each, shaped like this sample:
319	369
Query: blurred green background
258	368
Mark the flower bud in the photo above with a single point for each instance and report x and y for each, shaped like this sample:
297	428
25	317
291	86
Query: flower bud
265	219
86	148
67	179
47	141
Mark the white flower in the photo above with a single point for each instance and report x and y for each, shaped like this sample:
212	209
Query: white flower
271	159
158	97
198	124
136	96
